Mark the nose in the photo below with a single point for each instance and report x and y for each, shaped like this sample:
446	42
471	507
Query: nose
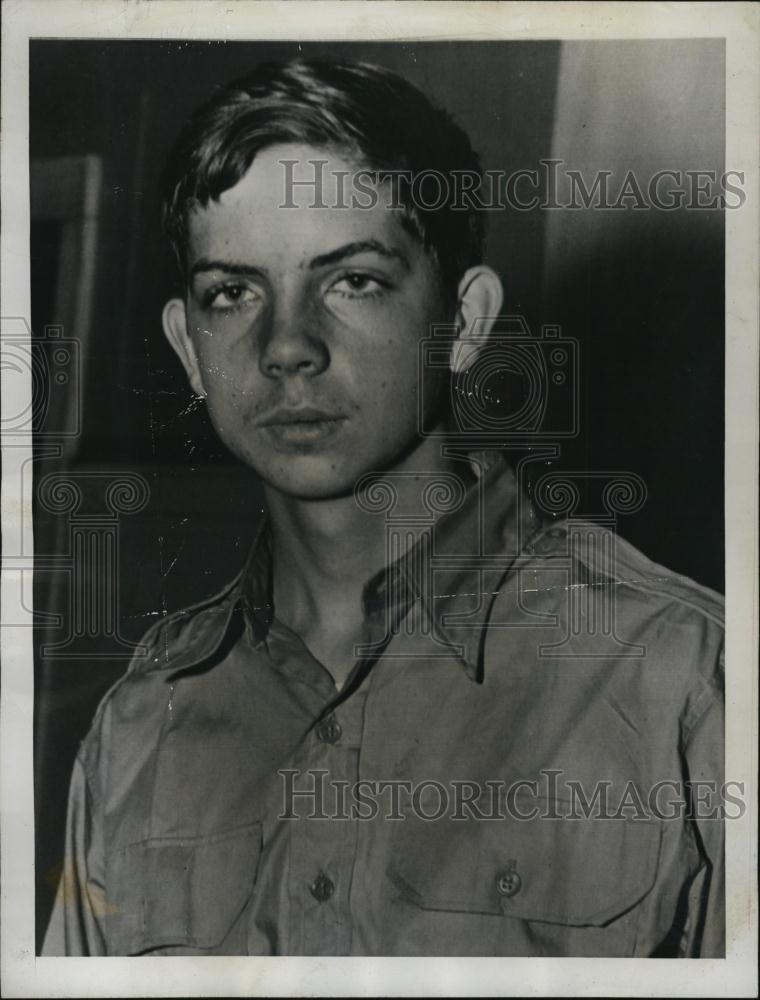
293	345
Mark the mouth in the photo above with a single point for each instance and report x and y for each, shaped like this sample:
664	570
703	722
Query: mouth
302	425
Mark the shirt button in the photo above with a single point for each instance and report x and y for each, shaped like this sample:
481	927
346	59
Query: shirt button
322	888
508	882
329	731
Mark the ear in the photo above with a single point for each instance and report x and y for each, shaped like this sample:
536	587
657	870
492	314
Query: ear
175	327
480	299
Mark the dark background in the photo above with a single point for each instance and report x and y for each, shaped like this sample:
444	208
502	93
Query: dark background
641	292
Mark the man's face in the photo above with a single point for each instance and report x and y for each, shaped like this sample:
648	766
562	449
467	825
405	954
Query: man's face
305	325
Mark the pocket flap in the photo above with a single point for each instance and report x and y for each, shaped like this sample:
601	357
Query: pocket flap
183	893
582	872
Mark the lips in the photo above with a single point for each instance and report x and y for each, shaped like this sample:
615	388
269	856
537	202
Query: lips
285	416
301	428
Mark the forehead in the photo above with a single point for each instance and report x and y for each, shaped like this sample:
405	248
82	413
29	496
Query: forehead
295	201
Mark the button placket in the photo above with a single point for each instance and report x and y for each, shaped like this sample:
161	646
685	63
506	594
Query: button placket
324	850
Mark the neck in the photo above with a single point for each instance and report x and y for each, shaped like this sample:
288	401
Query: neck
325	551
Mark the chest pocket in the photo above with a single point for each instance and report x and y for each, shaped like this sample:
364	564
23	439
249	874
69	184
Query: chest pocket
578	873
182	896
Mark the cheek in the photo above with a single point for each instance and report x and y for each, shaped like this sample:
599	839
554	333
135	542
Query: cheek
224	394
227	382
390	397
219	338
225	361
388	378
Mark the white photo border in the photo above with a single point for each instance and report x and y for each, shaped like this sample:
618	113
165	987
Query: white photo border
23	974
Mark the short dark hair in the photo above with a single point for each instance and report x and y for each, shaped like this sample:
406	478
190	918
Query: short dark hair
381	118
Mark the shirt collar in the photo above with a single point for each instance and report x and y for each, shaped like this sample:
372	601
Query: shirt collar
195	634
457	574
451	575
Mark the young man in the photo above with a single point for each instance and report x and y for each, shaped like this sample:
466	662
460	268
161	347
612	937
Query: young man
397	732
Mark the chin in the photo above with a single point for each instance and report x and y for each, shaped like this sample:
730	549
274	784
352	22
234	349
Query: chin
308	479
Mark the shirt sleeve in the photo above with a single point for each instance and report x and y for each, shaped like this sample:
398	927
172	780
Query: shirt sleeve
704	756
76	926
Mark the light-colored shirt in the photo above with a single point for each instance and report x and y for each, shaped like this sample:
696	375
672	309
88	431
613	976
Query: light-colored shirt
509	769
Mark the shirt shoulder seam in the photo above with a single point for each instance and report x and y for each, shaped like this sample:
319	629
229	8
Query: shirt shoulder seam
663	582
138	665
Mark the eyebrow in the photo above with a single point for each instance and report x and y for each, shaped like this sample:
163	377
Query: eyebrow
340	253
230	266
357	247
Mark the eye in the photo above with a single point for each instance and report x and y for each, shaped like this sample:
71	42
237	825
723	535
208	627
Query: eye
230	295
357	285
